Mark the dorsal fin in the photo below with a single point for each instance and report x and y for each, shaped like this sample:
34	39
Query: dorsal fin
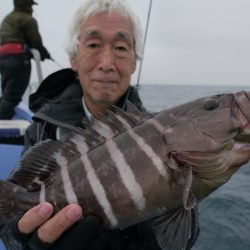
134	111
115	121
126	118
39	163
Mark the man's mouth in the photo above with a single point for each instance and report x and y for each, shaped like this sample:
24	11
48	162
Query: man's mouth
105	81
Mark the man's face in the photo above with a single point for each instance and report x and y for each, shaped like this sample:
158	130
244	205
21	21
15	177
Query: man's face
105	58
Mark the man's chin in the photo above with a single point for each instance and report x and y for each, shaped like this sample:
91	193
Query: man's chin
105	98
105	101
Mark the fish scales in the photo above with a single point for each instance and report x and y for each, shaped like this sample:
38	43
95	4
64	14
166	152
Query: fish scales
98	190
108	173
129	167
82	169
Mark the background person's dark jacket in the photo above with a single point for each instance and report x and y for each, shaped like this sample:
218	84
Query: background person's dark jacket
18	35
21	27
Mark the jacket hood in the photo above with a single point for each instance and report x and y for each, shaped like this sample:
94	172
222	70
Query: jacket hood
52	87
24	5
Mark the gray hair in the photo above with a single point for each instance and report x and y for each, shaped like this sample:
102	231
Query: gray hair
91	7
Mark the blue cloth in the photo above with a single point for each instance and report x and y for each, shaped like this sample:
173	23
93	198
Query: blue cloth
9	132
22	112
2	246
9	156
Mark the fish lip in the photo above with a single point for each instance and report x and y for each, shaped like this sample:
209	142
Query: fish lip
243	104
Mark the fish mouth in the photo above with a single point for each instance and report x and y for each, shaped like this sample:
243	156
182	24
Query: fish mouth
242	110
243	103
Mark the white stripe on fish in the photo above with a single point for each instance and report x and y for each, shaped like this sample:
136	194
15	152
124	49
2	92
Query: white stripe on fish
103	129
126	174
98	189
156	124
157	161
42	189
94	182
80	142
67	184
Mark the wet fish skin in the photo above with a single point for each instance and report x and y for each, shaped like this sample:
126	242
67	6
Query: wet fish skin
127	170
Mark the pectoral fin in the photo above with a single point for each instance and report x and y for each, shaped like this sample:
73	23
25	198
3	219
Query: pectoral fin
174	229
182	174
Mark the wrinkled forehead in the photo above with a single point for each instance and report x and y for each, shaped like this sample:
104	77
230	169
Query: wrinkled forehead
96	25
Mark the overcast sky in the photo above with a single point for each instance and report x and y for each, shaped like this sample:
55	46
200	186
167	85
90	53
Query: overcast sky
189	41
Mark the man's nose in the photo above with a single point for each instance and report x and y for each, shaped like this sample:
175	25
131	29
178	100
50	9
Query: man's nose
106	60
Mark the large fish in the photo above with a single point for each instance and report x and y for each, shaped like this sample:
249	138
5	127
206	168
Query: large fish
129	167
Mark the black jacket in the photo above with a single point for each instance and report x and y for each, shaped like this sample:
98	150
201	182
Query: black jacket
60	97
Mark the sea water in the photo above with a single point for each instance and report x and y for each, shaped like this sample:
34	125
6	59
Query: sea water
225	214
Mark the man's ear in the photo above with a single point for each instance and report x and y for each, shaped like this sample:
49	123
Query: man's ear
73	63
134	66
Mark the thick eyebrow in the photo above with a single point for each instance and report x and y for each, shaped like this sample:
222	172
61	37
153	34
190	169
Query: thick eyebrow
121	35
124	36
92	33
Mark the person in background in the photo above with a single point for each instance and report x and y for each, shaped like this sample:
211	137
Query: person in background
104	43
18	34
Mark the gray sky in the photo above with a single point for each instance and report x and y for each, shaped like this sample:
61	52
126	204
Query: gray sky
189	41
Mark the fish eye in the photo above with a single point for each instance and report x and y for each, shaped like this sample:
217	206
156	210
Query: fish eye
211	104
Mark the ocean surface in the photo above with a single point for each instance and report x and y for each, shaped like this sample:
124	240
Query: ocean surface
224	214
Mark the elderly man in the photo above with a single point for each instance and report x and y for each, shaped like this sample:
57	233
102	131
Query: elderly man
104	42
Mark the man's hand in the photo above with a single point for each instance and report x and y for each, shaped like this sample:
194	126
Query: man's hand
49	230
44	53
37	230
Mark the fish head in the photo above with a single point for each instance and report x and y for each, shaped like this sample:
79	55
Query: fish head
211	136
206	124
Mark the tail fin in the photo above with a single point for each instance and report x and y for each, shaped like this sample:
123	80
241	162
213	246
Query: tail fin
8	206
